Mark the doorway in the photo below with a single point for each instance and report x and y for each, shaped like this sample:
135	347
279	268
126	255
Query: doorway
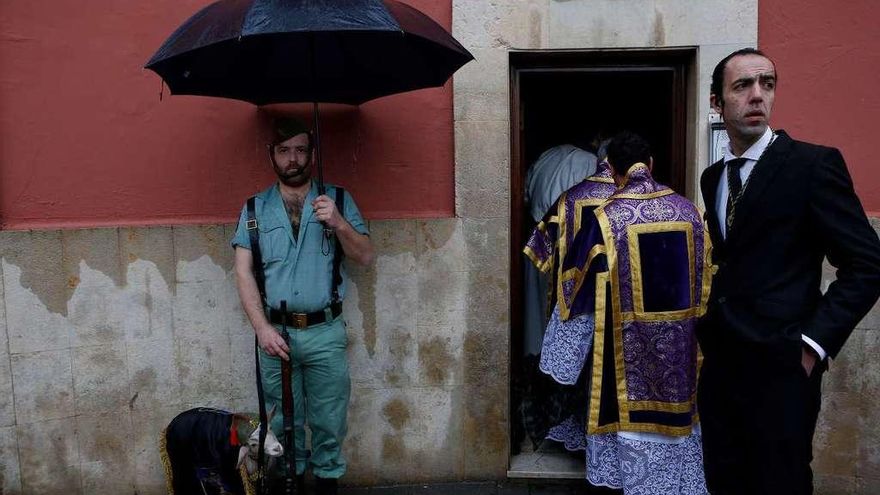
566	97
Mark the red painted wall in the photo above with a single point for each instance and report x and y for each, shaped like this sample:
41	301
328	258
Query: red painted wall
85	141
827	54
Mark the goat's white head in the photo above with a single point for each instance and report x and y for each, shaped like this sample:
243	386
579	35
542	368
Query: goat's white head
271	447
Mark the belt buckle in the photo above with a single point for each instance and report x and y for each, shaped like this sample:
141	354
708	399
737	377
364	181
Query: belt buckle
300	320
251	225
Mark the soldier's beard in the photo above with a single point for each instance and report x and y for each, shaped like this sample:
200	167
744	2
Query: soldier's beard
293	176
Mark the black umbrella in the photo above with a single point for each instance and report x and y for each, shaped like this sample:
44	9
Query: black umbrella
286	51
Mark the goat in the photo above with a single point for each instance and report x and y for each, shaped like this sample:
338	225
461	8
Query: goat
202	452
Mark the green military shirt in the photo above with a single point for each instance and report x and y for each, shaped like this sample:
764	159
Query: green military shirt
296	268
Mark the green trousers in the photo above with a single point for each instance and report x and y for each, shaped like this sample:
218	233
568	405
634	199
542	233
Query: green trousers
321	390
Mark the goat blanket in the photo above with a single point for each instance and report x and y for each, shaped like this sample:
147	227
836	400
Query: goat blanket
199	451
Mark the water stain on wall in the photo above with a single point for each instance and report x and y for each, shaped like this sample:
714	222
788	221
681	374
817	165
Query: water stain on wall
393	449
98	248
486	416
153	244
108	443
397	413
398	349
659	34
51	402
38	255
45	468
435	360
193	242
435	234
144	380
365	279
104	333
392	238
535	21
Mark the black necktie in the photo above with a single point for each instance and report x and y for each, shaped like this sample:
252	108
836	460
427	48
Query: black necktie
734	186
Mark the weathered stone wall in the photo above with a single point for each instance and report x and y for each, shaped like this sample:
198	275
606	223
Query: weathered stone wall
107	334
846	448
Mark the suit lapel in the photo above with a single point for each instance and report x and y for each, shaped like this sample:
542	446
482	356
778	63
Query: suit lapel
762	175
709	185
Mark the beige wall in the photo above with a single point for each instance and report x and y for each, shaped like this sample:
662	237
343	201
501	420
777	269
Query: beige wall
107	334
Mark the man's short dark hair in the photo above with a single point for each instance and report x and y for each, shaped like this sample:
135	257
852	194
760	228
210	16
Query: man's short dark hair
284	128
626	149
717	87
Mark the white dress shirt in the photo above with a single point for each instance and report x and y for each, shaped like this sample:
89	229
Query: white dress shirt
751	155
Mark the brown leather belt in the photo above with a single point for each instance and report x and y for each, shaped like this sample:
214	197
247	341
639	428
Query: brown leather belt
305	320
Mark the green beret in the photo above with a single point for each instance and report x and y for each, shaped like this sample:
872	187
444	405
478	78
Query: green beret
287	127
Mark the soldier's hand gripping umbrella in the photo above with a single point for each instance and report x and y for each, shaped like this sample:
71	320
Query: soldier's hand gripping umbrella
289	51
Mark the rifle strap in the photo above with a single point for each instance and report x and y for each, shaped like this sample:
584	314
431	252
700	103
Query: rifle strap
338	253
254	236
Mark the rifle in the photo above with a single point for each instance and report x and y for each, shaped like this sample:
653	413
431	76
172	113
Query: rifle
287	406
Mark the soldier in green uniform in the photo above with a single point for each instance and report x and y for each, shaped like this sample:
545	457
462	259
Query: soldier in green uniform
297	262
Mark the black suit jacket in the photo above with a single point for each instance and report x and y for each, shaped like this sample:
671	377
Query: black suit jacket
799	207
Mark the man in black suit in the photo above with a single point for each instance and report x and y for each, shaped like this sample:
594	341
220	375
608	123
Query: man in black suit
776	208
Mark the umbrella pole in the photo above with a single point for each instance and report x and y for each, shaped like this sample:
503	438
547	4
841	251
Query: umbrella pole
320	166
325	246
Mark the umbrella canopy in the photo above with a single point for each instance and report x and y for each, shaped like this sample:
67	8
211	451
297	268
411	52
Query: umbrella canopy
285	51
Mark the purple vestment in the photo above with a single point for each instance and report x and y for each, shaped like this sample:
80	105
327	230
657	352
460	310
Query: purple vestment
646	278
566	343
557	234
631	284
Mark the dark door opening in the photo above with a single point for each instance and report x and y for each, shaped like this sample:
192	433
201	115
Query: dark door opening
563	98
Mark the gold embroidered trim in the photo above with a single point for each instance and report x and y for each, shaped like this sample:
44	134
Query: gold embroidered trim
598	355
603	296
635	260
166	462
651	195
